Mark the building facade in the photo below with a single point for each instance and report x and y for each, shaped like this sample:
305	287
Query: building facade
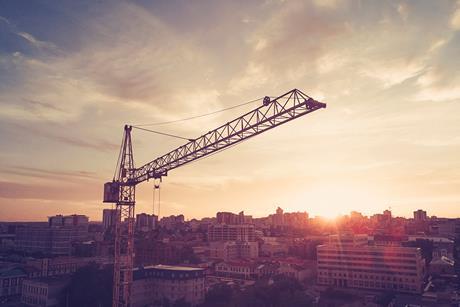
10	283
43	292
108	218
225	232
54	238
386	268
420	215
232	250
146	222
237	269
155	284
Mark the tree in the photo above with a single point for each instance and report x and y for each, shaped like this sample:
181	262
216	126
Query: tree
187	255
284	292
220	295
89	286
426	247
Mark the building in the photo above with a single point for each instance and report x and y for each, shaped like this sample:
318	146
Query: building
296	219
278	217
146	222
288	219
232	250
74	220
108	218
43	292
273	246
442	247
149	252
348	239
241	269
154	284
232	218
225	232
296	271
354	264
11	278
58	266
172	222
54	238
420	215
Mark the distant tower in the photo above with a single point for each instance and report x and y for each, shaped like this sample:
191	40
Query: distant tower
279	211
420	215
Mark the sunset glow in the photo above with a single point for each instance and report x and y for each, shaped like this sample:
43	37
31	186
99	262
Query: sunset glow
71	77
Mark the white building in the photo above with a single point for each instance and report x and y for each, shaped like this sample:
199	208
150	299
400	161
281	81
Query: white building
353	264
153	284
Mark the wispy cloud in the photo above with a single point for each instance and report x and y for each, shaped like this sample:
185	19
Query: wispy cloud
390	79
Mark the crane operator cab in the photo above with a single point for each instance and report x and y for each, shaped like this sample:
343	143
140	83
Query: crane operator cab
111	192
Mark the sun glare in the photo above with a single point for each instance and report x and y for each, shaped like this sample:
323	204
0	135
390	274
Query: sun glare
331	200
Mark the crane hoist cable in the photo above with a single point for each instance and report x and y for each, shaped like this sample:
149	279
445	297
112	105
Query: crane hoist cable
200	115
156	186
190	118
164	133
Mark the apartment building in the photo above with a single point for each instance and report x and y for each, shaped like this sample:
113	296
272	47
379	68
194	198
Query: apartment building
237	269
108	218
354	264
55	238
57	266
225	232
11	278
43	292
232	250
146	222
154	284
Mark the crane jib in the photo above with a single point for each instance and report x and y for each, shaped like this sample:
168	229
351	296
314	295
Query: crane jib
122	190
278	111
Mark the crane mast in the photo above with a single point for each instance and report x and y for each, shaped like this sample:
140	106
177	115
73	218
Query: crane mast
121	190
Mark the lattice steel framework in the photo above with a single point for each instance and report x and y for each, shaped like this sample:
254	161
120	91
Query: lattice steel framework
272	113
124	224
121	190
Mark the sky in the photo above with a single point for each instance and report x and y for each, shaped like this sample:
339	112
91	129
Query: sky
73	73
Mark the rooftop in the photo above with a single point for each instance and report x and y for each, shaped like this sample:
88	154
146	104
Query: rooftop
173	268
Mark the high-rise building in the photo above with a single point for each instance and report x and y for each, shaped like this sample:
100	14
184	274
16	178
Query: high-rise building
56	237
108	218
232	250
354	264
420	215
387	213
278	217
146	222
74	220
172	222
225	232
149	252
232	218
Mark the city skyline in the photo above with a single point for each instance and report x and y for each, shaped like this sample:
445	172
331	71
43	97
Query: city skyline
71	75
326	219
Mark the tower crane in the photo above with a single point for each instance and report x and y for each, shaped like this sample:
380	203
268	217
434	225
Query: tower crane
122	189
